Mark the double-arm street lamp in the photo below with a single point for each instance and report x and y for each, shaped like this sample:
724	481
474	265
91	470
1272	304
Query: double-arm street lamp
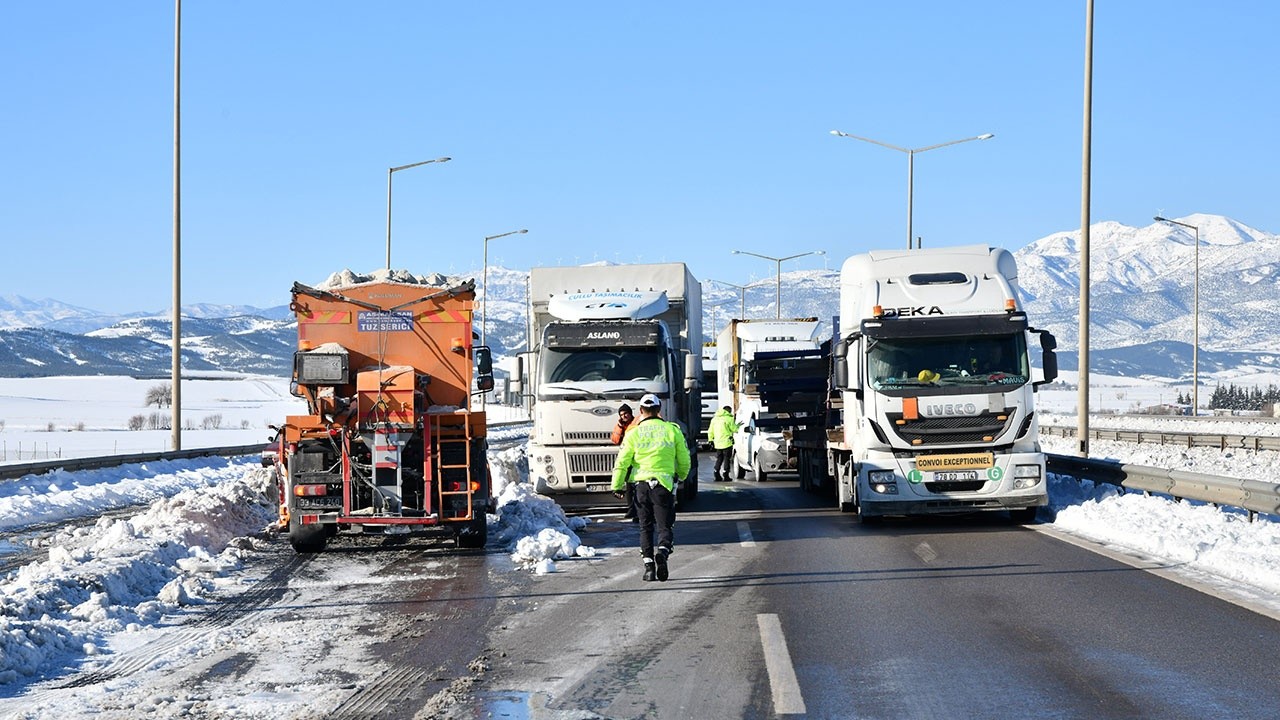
389	173
1195	315
911	162
741	291
779	262
484	299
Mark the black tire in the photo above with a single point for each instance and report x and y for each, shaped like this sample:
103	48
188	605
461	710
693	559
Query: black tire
689	492
307	539
760	474
1023	516
475	534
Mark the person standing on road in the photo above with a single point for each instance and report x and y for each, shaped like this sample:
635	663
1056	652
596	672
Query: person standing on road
721	431
626	421
655	454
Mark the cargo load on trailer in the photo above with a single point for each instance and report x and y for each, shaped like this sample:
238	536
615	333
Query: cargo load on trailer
929	402
606	335
390	445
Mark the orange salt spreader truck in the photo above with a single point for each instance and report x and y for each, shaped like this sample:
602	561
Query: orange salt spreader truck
391	445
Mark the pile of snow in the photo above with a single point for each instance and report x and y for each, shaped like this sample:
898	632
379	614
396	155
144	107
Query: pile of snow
348	278
1219	546
532	526
121	574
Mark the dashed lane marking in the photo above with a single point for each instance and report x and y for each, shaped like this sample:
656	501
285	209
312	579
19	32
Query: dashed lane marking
744	534
787	699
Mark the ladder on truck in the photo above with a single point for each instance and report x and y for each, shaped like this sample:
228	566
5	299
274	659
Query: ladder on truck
452	461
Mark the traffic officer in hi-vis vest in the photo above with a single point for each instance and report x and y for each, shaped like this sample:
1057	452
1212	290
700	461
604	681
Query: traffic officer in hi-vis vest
656	453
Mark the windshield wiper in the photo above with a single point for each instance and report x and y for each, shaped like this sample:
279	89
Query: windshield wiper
580	391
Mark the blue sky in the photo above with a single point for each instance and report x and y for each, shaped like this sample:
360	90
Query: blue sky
627	132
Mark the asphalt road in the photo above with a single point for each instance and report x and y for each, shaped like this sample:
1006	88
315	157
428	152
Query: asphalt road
778	605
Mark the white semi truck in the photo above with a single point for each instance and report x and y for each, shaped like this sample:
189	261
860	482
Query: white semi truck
605	335
930	403
762	445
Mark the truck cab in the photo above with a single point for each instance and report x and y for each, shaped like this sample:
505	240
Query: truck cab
607	335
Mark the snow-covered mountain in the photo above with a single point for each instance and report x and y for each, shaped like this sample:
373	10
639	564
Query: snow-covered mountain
1142	286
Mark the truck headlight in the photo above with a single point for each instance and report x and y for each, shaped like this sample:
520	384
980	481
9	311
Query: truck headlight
883	482
1025	476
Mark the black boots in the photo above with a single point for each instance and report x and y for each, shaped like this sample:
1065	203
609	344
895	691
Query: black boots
649	572
660	559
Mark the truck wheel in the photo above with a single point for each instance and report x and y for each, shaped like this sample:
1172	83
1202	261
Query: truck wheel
306	539
738	470
871	519
689	491
1023	516
758	471
475	534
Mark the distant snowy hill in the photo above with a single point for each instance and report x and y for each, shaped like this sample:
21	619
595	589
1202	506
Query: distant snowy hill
1142	285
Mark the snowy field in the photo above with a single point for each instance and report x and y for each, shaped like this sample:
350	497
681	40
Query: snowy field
64	417
73	594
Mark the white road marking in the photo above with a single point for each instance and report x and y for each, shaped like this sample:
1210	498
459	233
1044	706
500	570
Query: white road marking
744	534
787	699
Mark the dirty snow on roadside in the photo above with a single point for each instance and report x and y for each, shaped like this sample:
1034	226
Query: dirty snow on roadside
127	573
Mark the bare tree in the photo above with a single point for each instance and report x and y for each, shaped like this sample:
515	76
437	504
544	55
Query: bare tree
159	395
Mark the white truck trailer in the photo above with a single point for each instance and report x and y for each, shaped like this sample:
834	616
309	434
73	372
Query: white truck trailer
931	395
762	445
605	335
710	393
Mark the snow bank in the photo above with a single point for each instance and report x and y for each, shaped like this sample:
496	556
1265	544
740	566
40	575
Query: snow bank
532	526
122	573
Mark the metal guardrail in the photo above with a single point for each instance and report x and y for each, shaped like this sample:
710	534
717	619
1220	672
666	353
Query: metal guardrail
1255	496
1183	439
17	470
8	472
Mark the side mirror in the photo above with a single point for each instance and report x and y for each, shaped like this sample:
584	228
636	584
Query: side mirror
1048	358
484	382
516	383
484	360
692	369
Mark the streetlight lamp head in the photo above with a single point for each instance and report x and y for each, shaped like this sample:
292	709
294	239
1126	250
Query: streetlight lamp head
443	159
987	136
522	231
1160	219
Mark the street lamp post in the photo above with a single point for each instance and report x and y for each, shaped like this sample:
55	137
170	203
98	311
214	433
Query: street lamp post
1195	315
742	293
911	163
484	299
779	262
389	173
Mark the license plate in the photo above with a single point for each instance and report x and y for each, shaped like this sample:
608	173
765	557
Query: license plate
955	476
598	487
319	503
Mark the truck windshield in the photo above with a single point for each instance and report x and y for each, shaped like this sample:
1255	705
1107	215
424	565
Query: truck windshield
563	365
975	362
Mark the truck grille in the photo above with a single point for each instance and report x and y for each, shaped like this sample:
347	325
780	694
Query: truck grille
587	436
592	463
951	430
